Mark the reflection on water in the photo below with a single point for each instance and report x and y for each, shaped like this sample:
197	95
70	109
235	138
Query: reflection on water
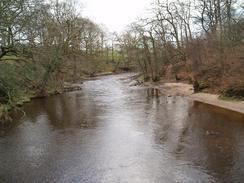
152	92
110	132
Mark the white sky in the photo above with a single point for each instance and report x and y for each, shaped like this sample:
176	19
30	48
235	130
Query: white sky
114	14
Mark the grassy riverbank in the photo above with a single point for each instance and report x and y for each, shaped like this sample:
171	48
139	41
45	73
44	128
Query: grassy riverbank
22	79
44	45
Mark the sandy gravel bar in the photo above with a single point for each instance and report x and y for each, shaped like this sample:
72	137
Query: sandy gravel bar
212	99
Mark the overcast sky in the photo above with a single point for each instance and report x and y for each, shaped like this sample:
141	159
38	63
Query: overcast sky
115	14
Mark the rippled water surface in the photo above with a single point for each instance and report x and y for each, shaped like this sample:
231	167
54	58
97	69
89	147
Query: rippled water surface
112	133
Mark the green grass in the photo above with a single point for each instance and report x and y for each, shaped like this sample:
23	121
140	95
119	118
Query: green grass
10	57
116	55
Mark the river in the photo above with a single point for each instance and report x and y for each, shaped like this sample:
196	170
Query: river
110	132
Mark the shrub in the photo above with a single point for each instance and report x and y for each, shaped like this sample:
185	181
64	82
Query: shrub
199	86
235	91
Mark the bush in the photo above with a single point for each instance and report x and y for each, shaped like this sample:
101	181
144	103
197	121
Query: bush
199	86
235	91
4	114
9	83
4	97
15	81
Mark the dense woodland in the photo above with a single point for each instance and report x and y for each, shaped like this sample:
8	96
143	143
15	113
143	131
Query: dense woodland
46	43
199	41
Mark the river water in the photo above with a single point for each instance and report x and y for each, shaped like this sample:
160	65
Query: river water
110	132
